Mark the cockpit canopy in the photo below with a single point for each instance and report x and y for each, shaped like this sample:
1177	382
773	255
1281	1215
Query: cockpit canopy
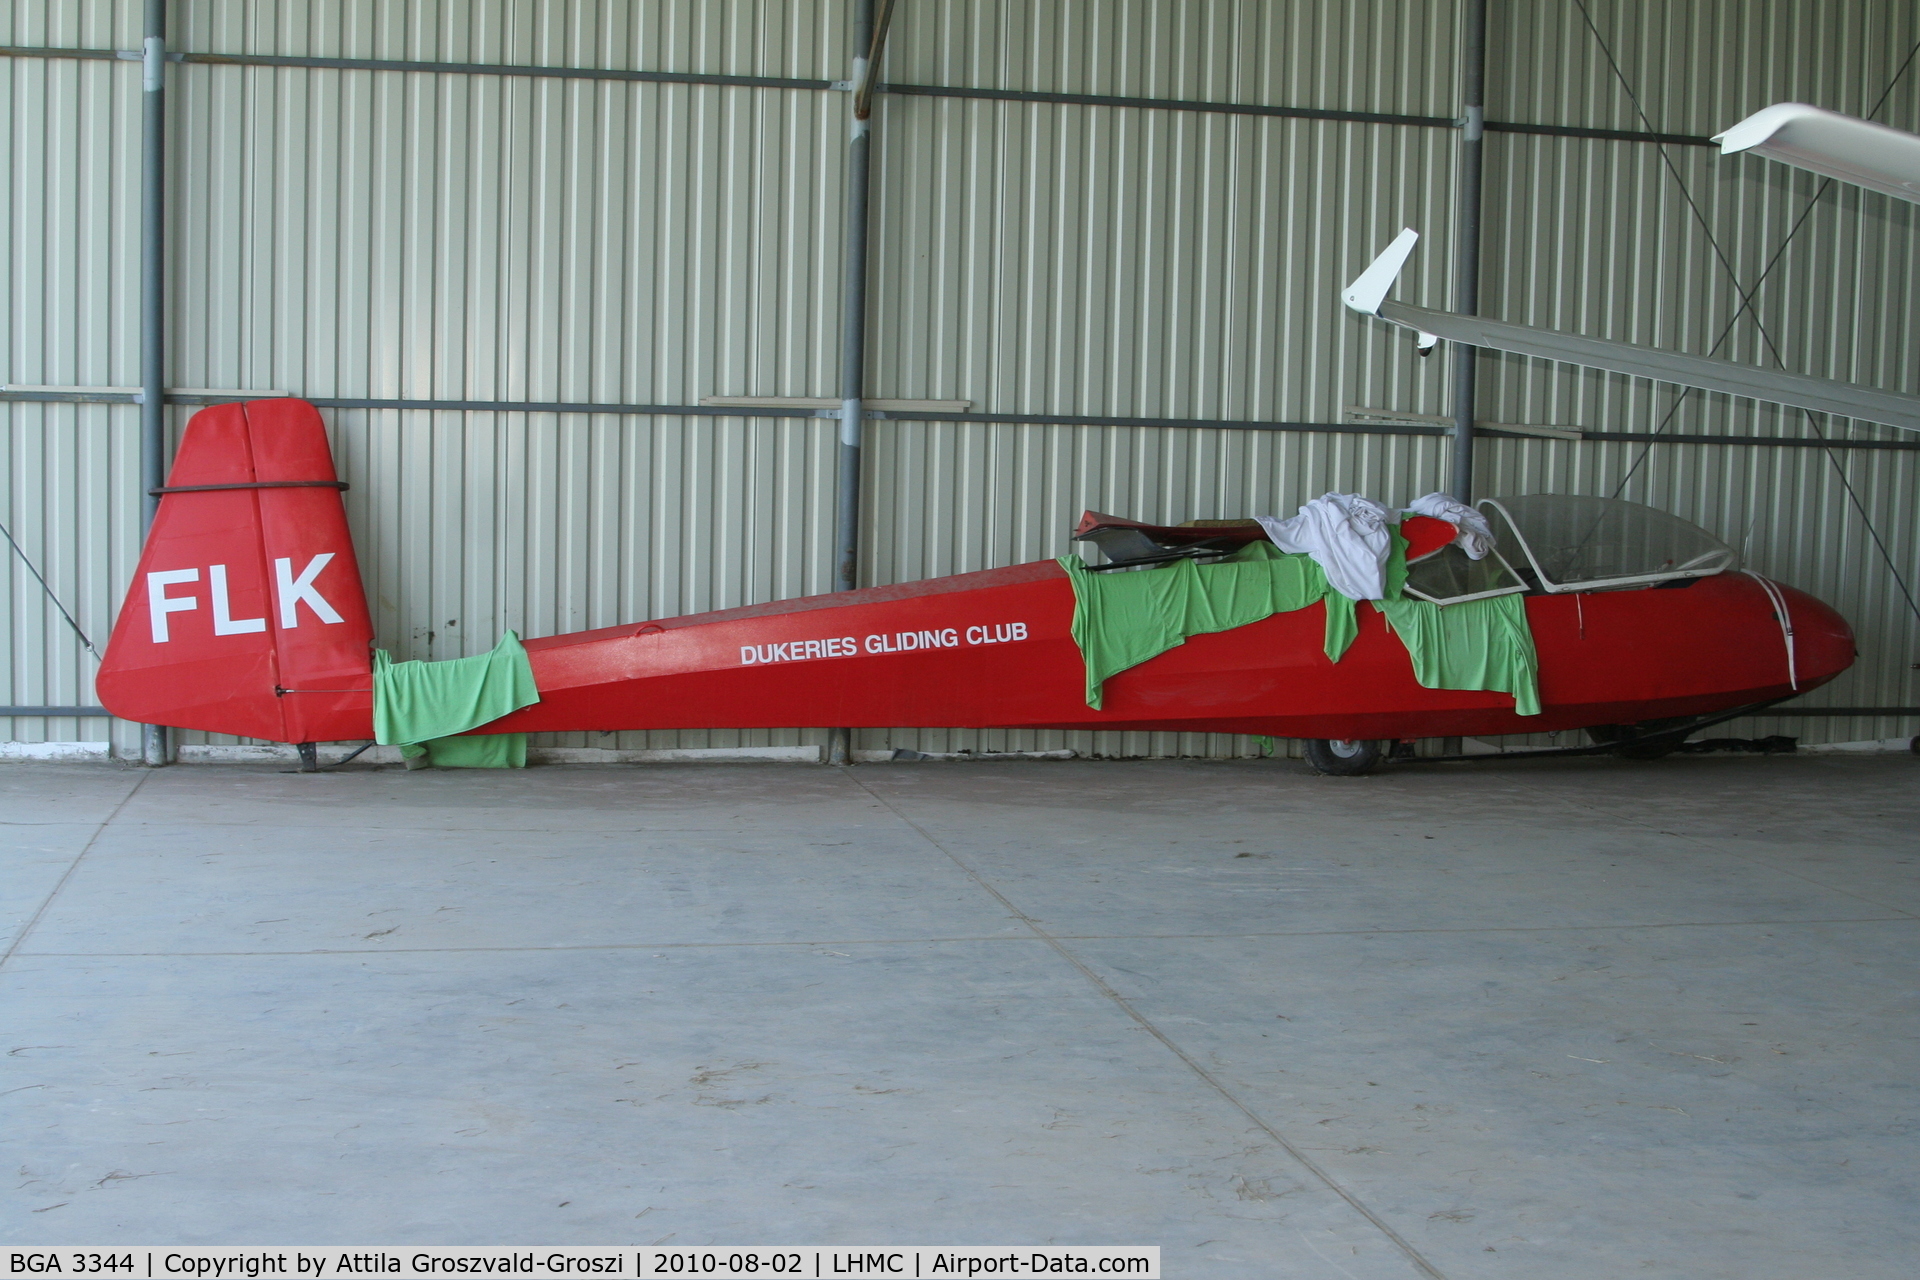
1555	542
1543	542
1563	542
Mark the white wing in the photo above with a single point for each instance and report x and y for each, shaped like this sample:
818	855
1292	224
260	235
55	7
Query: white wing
1823	395
1869	155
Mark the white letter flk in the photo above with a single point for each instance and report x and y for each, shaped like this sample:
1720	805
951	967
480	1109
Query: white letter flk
224	623
159	606
293	590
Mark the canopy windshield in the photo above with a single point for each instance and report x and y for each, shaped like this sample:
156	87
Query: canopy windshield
1450	577
1574	543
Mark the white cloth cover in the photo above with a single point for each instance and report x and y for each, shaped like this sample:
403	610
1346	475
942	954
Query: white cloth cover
1475	536
1346	535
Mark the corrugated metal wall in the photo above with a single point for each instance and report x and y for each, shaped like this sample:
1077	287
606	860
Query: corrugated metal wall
69	492
410	235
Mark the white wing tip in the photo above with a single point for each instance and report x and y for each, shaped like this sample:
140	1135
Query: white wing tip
1764	123
1369	288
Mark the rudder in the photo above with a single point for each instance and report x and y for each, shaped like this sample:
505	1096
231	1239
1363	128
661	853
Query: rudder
246	614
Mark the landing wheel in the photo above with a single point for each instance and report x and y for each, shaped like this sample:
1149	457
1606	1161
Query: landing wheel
1344	758
1624	738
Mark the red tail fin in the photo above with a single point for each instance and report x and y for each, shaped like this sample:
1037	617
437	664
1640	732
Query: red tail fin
246	615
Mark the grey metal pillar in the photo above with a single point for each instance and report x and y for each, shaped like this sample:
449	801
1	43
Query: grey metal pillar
853	318
853	335
1466	257
153	409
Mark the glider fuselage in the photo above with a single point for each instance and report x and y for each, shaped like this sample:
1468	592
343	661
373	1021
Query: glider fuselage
247	617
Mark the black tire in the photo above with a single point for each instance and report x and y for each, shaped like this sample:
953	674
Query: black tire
1624	738
1344	759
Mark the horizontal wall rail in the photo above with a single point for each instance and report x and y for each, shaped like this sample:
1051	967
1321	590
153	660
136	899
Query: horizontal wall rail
901	90
95	712
1603	135
1165	104
1403	429
1837	711
1006	419
437	68
1289	113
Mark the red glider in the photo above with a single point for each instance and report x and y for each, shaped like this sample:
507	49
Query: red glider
247	616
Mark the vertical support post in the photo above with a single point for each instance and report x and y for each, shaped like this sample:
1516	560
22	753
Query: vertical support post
853	318
853	337
1466	256
153	409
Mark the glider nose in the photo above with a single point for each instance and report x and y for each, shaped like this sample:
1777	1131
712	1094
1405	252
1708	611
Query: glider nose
1822	641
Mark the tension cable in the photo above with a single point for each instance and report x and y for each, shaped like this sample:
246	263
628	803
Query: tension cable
44	586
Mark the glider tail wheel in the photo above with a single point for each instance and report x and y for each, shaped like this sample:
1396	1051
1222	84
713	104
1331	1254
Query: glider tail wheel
1344	758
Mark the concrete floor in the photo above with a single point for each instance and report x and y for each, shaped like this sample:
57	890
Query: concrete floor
1571	1018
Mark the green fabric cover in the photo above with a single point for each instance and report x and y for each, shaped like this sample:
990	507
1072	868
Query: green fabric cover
1476	644
432	705
1122	619
472	751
